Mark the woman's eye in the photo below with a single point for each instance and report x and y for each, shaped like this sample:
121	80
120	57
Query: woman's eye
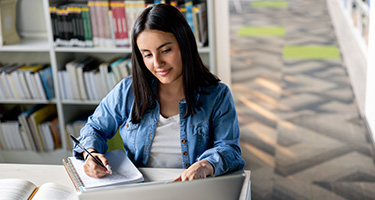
146	55
166	51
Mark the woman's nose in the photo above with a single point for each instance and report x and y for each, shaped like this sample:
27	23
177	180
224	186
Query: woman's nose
158	61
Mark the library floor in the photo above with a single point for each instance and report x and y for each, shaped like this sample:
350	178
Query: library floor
301	132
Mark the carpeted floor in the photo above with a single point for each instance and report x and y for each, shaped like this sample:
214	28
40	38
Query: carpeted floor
301	132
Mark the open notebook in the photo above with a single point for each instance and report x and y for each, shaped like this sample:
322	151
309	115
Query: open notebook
123	172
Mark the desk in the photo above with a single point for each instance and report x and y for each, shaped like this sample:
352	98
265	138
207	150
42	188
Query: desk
39	174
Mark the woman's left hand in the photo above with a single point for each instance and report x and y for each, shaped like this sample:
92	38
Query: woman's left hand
200	169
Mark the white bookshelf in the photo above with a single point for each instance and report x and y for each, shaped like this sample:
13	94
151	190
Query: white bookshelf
36	46
370	81
358	48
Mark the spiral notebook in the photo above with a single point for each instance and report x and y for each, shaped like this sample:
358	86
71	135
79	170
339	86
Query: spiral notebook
123	172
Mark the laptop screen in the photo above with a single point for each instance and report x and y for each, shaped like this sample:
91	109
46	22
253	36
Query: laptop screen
225	187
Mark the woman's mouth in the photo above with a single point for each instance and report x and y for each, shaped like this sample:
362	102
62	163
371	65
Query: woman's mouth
164	72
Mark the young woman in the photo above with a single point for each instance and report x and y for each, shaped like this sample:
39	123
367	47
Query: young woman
172	112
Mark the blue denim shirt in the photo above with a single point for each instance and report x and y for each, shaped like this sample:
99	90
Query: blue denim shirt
212	133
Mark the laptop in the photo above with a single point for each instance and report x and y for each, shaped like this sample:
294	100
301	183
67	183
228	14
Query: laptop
225	187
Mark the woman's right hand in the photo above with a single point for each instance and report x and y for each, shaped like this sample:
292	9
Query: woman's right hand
91	168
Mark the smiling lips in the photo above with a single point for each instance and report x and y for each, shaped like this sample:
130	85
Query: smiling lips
164	72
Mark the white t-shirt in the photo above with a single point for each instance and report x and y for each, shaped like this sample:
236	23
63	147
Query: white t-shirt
166	147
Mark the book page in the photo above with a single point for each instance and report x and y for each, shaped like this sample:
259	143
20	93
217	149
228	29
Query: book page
49	191
15	189
123	171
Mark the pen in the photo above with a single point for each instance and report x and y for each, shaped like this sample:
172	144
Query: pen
108	167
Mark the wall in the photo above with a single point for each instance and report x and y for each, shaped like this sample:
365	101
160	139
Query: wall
222	40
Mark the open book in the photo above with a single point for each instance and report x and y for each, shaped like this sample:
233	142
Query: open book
20	189
123	171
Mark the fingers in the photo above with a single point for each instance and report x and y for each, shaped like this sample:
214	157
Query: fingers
198	170
91	168
177	179
102	158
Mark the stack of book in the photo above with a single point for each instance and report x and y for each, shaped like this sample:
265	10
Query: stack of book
19	81
108	23
35	129
86	78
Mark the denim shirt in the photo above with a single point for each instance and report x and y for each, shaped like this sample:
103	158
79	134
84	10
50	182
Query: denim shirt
212	133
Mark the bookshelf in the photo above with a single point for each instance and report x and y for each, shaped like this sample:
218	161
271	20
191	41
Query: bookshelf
37	46
370	81
355	28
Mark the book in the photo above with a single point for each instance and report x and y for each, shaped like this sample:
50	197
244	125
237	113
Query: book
10	135
105	73
189	13
26	190
123	172
93	11
28	70
29	140
87	26
86	65
120	23
38	117
47	81
115	68
4	82
55	128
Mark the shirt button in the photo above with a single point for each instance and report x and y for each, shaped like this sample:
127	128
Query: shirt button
145	157
147	148
183	141
184	153
127	125
186	164
150	137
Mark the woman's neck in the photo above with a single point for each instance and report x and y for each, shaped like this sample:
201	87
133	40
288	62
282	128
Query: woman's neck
173	90
169	97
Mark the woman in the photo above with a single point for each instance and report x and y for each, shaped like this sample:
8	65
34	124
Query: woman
172	112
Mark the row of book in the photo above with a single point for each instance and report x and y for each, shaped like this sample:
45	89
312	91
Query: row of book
36	129
86	78
108	23
20	81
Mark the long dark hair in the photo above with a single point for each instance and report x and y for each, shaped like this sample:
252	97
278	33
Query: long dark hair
166	18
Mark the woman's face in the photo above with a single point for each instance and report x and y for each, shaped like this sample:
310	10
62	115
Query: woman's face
161	55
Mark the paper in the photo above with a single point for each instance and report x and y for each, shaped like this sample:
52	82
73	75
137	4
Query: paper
123	171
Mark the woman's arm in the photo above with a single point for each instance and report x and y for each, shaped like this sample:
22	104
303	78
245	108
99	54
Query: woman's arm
226	154
106	119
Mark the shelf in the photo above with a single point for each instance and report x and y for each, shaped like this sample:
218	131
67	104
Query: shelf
81	102
109	50
26	101
32	157
27	44
93	50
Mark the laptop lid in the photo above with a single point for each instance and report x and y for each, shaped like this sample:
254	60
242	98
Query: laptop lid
225	187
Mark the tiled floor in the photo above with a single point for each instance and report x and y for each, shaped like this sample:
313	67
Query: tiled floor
301	132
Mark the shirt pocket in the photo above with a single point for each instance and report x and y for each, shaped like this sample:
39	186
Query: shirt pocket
129	132
201	137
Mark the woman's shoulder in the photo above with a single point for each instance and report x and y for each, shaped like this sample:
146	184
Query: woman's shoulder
125	83
217	88
215	91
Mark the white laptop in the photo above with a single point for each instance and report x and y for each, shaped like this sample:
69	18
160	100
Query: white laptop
225	187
